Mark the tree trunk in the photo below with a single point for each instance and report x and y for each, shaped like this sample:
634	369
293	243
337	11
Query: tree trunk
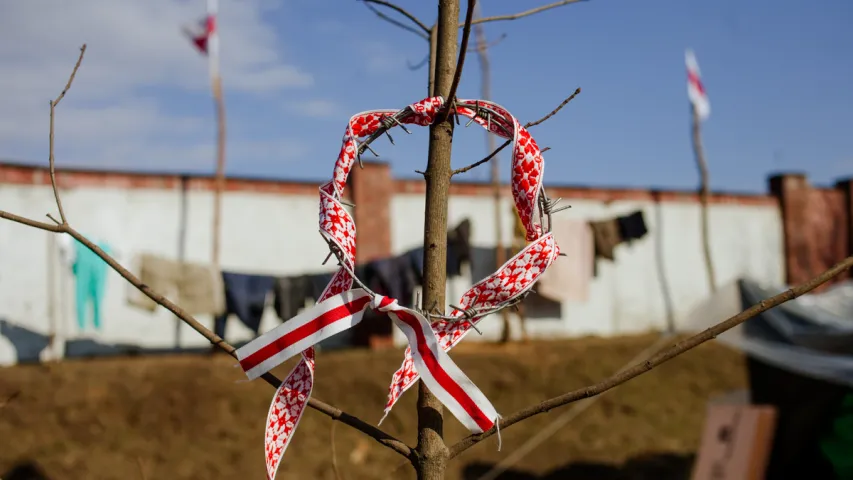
431	450
703	200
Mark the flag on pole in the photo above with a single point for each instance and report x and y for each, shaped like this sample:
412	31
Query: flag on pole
205	36
695	89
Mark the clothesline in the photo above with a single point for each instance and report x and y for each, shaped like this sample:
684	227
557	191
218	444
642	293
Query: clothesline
200	289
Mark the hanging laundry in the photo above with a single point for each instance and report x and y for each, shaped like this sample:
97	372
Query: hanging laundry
318	283
568	278
90	273
396	277
484	262
67	252
291	293
415	257
246	298
197	288
606	236
632	226
458	247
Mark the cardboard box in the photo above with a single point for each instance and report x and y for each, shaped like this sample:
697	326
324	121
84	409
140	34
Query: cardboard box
736	441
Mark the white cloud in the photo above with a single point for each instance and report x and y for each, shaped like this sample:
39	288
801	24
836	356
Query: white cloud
317	108
135	49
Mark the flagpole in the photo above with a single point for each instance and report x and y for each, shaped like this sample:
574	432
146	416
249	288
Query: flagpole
219	102
703	195
699	110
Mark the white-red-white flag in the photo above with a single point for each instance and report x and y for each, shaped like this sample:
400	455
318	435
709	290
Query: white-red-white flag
205	36
695	89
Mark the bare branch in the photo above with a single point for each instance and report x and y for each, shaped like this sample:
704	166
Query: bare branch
334	452
30	223
10	399
528	125
141	466
71	78
426	30
526	13
460	62
661	357
63	227
329	410
53	105
554	111
488	45
419	65
484	160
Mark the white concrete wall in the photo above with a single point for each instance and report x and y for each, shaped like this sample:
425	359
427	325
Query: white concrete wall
658	277
269	233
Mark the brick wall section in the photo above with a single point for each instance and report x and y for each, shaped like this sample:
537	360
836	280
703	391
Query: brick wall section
845	186
371	190
816	224
19	174
596	194
78	178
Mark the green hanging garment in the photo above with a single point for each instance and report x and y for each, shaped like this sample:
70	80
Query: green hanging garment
90	273
837	444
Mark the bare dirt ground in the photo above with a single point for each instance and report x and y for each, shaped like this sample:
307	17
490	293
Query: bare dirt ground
187	417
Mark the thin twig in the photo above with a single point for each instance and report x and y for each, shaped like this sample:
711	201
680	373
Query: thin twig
460	62
141	468
395	22
401	11
419	65
31	223
484	160
528	125
659	358
10	398
334	452
487	45
554	111
526	13
53	105
71	78
333	412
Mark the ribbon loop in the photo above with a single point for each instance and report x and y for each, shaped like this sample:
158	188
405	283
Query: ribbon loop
340	307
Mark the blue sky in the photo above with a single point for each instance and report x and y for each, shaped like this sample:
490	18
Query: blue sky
778	75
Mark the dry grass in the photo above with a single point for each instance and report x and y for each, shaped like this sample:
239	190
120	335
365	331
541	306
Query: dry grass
184	417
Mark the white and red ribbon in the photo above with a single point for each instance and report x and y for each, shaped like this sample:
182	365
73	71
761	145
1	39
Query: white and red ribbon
340	307
695	88
205	36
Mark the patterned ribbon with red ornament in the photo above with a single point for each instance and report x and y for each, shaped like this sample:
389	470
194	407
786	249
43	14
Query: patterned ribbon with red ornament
341	307
515	277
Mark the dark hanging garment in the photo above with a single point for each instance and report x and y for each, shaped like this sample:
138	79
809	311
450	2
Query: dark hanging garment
291	293
606	236
458	248
245	297
633	226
